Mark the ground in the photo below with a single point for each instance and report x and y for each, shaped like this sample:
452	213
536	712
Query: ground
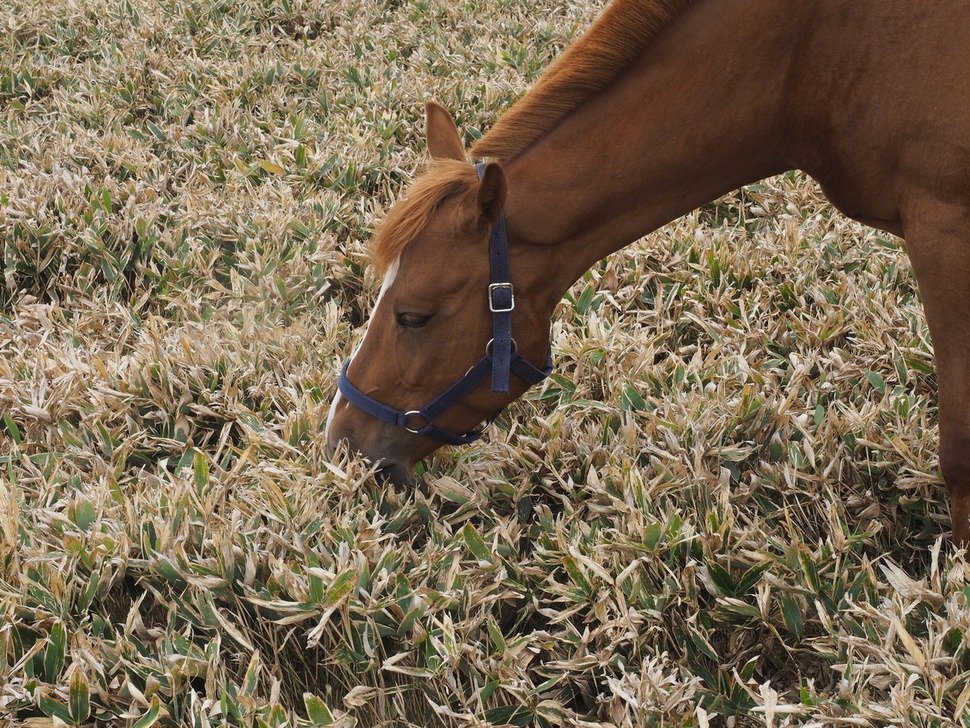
726	501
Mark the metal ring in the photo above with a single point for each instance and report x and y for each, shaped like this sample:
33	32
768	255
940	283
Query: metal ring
488	347
415	412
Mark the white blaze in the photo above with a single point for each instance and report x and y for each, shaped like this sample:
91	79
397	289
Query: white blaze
388	281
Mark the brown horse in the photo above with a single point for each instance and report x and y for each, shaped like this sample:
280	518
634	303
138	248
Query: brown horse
662	106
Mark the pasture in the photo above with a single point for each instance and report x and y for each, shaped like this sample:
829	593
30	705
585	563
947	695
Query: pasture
723	508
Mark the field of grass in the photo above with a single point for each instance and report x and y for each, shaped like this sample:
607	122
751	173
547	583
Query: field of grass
723	509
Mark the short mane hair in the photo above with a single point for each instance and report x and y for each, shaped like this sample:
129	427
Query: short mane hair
594	61
406	219
588	66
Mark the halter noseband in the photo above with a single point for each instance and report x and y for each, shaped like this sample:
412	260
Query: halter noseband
501	358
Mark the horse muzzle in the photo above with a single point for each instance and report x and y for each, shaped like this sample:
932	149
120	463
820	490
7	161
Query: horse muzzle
381	445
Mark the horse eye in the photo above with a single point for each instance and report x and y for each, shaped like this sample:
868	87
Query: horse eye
412	320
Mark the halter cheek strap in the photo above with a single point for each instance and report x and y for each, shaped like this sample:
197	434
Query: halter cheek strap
501	359
501	302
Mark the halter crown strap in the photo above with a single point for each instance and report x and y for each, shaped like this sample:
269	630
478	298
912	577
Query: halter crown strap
500	359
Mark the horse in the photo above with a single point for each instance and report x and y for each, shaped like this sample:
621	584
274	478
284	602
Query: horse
660	107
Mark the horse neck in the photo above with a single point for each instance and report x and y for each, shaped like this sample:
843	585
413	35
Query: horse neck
700	114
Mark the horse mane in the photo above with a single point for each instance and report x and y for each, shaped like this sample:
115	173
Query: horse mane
406	219
607	49
588	66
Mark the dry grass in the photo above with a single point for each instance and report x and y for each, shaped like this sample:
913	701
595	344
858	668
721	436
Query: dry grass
724	508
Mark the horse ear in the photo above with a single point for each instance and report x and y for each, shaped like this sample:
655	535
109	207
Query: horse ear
491	192
444	141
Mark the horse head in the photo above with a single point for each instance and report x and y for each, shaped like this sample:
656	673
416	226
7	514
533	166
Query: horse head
436	360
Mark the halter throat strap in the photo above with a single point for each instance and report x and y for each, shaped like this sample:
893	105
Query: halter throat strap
501	358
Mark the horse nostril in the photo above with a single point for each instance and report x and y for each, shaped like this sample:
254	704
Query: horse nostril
337	442
396	473
384	474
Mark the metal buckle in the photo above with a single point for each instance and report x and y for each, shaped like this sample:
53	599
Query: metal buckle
418	431
491	297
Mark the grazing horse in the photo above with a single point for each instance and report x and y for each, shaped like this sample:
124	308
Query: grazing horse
660	107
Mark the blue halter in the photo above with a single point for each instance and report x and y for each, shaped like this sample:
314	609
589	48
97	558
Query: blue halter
501	359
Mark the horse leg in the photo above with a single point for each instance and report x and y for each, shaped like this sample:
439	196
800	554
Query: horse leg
938	239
